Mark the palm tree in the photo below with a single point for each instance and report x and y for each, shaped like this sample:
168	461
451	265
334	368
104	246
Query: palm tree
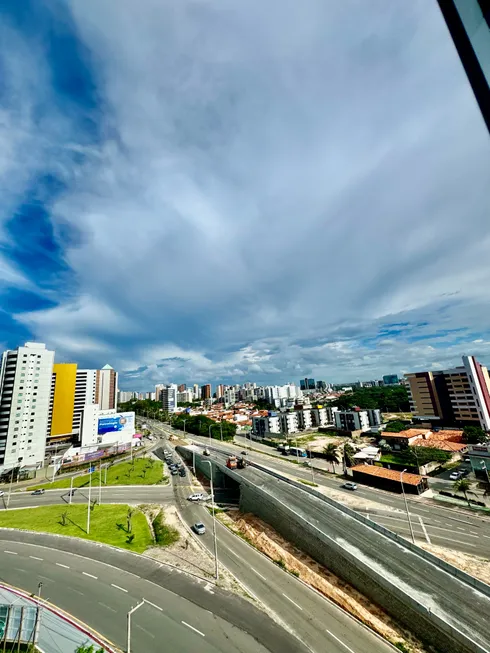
332	454
349	452
463	485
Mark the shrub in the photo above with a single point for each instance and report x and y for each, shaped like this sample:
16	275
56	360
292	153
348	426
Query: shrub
164	535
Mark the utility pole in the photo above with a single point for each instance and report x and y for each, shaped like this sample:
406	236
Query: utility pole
89	497
71	488
209	430
406	505
216	565
100	482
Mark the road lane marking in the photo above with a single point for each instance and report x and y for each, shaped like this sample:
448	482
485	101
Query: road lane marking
258	573
35	558
85	573
119	588
24	571
58	564
235	554
474	533
145	631
192	628
74	590
487	536
12	553
424	529
106	606
340	641
293	602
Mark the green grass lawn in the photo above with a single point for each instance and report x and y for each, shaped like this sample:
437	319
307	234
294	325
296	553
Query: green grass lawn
143	471
108	523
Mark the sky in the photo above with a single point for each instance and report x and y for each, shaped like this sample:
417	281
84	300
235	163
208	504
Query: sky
207	191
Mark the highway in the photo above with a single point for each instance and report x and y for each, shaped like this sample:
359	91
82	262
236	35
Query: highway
320	624
455	529
453	600
98	585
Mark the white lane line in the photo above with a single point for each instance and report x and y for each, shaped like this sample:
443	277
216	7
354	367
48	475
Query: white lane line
192	628
145	631
24	571
12	553
258	573
106	606
424	529
293	602
474	533
85	573
235	554
440	528
460	528
35	558
340	641
119	588
58	564
487	536
450	539
76	591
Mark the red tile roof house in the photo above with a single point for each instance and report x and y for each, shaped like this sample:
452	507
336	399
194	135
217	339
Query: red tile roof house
444	440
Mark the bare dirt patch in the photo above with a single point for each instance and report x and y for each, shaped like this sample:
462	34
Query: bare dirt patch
267	540
471	564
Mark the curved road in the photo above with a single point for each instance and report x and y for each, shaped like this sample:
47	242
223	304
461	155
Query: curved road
98	585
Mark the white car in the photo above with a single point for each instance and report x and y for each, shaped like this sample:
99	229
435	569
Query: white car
199	528
454	476
197	496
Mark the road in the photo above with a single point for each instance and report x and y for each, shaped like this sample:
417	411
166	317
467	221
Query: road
114	494
467	609
451	528
99	585
321	625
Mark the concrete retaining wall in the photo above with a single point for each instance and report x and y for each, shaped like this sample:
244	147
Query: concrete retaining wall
292	526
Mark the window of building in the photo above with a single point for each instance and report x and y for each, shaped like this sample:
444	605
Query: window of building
29	441
16	428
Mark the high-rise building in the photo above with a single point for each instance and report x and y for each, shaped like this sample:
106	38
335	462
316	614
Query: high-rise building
85	395
206	391
107	388
62	402
158	389
458	396
220	390
169	398
390	379
182	387
25	392
468	22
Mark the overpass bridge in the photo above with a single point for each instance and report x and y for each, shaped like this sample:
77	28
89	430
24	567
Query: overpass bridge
445	607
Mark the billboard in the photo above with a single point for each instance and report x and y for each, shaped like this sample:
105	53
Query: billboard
116	423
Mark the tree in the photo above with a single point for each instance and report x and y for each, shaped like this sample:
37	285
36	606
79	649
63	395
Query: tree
129	518
85	648
463	485
395	426
64	515
332	454
474	435
349	452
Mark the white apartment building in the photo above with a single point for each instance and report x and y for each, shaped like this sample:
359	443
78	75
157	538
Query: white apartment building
319	417
352	420
263	427
374	416
25	391
229	397
304	419
85	395
123	397
289	422
169	398
196	391
187	396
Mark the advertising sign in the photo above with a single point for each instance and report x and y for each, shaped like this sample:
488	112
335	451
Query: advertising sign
116	423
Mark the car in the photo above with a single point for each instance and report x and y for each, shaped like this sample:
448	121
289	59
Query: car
454	476
285	452
467	459
349	486
197	496
174	472
199	528
182	472
243	453
40	491
307	463
206	452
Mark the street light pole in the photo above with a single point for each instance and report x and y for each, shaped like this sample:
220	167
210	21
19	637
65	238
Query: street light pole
209	431
311	466
89	498
221	429
216	566
406	506
71	488
100	482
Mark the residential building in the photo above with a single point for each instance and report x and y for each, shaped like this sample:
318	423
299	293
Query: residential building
85	395
264	427
458	396
168	395
62	403
220	389
25	393
196	392
206	391
468	22
390	379
289	422
229	396
182	387
304	418
107	388
123	397
185	396
319	417
352	420
321	385
374	416
158	390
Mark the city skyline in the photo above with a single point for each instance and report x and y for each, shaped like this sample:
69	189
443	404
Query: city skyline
337	170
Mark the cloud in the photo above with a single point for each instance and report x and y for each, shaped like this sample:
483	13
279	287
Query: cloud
260	190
